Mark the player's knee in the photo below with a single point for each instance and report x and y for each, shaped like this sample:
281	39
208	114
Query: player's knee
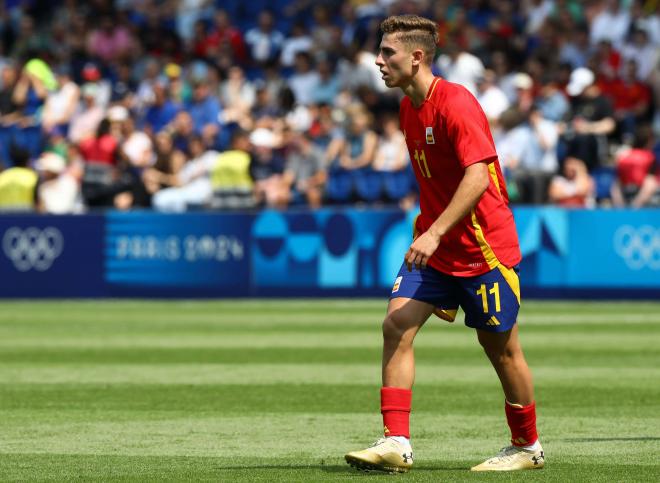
499	355
393	329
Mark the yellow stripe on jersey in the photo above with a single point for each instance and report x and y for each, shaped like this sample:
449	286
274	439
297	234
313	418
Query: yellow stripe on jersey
486	250
493	174
512	279
435	83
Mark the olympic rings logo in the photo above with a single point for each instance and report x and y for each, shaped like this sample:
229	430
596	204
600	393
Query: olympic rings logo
32	248
639	247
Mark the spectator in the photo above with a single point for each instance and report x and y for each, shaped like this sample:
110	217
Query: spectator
8	108
326	35
631	100
232	175
327	88
110	41
191	186
491	98
60	104
458	65
575	49
163	172
354	72
267	169
265	110
188	13
297	41
391	153
161	111
28	38
551	101
206	112
124	86
524	86
237	95
573	187
100	183
358	146
611	23
305	79
264	41
182	130
645	54
225	37
86	120
305	172
18	184
637	177
58	191
538	159
590	122
32	89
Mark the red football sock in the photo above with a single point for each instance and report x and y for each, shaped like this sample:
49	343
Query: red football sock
395	408
522	421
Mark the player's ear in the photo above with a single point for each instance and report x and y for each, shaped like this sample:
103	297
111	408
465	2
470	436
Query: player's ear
417	56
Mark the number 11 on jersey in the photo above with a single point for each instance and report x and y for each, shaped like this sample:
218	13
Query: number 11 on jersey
420	157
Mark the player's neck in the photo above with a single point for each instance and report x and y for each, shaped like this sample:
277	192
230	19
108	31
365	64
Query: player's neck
419	86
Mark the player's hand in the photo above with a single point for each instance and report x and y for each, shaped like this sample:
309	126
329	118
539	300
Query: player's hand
421	250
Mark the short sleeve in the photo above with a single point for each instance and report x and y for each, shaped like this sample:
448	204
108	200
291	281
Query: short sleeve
468	131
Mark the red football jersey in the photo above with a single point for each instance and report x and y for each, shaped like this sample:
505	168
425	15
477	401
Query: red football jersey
447	133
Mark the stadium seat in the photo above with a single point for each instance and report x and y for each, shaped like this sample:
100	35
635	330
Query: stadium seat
603	179
339	188
397	184
5	142
368	184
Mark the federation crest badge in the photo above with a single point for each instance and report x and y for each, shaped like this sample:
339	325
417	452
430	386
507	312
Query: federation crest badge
397	284
429	136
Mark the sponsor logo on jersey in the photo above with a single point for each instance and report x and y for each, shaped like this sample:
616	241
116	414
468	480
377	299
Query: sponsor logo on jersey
429	136
397	284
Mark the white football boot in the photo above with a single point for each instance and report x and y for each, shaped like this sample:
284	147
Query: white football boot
386	454
513	458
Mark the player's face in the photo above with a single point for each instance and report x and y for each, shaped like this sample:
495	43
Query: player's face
395	61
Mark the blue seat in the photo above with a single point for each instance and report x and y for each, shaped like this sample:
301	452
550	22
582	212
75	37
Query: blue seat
397	184
30	138
5	143
368	184
603	179
339	188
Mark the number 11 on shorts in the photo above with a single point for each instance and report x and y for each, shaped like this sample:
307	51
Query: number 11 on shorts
495	291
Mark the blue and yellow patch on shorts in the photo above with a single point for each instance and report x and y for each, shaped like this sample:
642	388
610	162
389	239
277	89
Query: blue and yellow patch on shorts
490	301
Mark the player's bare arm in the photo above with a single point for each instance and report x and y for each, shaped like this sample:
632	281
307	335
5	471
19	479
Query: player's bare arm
472	186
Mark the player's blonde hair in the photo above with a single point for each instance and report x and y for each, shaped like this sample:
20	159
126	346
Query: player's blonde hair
414	32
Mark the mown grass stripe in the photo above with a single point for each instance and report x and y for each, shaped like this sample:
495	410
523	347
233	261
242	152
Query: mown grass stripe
578	396
467	354
429	337
308	373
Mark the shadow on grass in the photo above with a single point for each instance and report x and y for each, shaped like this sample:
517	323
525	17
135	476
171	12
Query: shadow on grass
601	440
417	469
335	469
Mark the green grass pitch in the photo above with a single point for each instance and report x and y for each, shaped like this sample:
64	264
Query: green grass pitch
280	390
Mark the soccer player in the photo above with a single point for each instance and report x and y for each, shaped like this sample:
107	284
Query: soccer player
465	251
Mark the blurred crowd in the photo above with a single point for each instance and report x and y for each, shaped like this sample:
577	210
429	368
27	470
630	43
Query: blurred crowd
178	105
